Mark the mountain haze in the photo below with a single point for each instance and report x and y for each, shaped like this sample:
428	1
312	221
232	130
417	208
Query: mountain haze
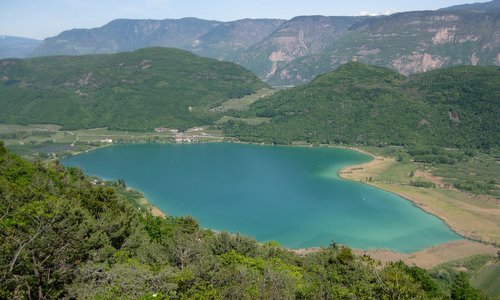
126	35
229	39
220	40
16	47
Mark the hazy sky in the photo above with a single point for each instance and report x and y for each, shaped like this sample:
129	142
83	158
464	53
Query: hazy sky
44	18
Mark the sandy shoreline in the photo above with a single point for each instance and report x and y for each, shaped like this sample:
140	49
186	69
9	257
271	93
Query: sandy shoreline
423	199
473	244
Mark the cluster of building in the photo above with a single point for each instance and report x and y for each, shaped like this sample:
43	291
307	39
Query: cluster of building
190	136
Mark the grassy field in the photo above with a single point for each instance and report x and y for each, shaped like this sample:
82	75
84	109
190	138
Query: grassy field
239	104
44	141
479	175
483	270
487	279
243	102
249	121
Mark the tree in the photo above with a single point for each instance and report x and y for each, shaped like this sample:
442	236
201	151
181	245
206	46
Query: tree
461	289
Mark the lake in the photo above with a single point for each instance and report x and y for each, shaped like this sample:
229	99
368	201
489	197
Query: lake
288	194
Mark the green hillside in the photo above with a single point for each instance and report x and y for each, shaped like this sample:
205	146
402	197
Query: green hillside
361	104
63	236
139	90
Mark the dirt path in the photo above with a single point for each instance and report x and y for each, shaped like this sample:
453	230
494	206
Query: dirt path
155	211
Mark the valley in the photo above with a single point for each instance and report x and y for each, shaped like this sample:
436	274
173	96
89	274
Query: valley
411	121
306	157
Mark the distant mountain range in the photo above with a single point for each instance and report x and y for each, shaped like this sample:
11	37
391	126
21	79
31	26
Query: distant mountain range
16	47
409	43
477	7
295	51
207	38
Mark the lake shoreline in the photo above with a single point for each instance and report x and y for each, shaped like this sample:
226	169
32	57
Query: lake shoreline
350	173
382	254
372	163
440	253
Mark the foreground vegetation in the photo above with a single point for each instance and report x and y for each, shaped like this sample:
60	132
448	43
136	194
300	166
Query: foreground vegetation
62	236
483	270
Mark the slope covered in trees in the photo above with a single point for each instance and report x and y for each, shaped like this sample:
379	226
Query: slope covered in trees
139	90
361	104
64	236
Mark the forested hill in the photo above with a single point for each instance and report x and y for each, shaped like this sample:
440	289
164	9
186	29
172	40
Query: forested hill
361	104
62	236
137	90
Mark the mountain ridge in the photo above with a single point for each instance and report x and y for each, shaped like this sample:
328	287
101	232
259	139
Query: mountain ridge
291	52
16	47
478	6
409	42
126	35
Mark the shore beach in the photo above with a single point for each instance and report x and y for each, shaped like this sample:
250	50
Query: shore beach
475	218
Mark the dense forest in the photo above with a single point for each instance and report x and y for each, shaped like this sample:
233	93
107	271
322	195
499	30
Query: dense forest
64	236
457	107
141	90
358	104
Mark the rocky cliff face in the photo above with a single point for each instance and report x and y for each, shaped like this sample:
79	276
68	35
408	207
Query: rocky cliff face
409	43
301	36
228	40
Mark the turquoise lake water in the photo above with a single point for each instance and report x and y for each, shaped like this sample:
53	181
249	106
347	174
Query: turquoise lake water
288	194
